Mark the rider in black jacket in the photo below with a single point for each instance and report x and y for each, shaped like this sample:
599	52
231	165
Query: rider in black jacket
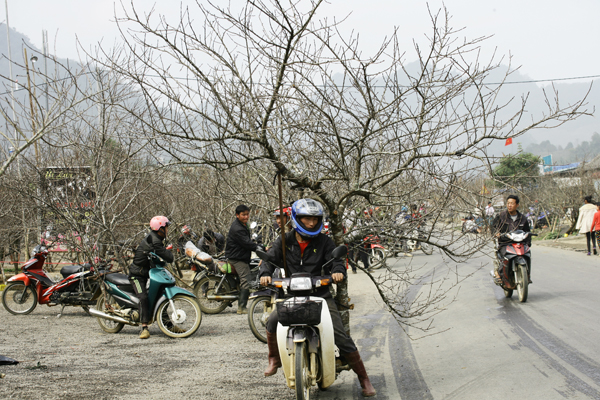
140	268
307	250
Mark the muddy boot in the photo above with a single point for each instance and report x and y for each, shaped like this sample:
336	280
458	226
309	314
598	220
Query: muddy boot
145	334
359	368
243	301
274	360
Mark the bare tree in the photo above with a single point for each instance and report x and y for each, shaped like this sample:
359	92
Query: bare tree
272	87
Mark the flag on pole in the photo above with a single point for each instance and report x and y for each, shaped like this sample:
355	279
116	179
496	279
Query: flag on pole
508	141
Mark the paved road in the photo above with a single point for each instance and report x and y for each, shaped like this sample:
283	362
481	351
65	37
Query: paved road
494	348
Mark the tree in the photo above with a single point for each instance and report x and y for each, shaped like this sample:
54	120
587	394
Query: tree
518	171
272	87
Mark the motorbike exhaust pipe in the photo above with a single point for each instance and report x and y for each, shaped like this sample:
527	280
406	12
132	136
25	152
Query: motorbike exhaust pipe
221	298
100	314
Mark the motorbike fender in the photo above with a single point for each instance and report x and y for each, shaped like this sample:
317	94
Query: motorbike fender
20	277
376	246
172	291
519	261
327	349
200	275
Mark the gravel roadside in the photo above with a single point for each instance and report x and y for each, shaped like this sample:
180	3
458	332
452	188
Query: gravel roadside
77	360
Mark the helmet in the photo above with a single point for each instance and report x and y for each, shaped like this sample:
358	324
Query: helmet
286	210
186	230
303	208
158	222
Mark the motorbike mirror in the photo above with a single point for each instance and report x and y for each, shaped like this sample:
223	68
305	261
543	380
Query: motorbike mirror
339	252
253	225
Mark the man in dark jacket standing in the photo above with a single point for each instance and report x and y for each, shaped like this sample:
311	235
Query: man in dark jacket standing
507	221
140	268
238	251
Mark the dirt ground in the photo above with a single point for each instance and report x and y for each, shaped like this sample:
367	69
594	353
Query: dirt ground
78	360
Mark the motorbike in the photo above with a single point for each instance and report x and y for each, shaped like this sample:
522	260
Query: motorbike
514	267
305	331
216	284
78	286
174	309
377	253
261	305
414	242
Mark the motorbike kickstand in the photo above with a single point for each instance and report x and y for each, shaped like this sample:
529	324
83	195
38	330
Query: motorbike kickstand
61	311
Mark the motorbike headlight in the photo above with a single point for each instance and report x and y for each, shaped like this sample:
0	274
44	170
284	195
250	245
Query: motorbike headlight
303	283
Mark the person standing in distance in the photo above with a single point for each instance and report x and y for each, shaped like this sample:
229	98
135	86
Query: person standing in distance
140	268
238	251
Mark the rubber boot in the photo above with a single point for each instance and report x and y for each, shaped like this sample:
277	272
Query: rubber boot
243	301
274	360
358	367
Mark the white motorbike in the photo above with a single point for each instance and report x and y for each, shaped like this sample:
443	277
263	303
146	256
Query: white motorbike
305	331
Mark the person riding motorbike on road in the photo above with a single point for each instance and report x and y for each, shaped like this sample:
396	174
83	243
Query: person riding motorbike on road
140	268
307	250
508	221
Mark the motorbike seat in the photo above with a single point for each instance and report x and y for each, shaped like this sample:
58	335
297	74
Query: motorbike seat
73	269
118	279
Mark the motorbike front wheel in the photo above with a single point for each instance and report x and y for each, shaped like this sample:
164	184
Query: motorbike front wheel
522	283
19	299
258	313
107	307
205	287
302	378
377	258
181	322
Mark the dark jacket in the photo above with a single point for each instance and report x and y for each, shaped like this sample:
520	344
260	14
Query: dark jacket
503	223
239	246
219	244
317	253
150	244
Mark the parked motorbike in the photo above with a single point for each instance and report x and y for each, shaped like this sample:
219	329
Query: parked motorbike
305	331
216	283
515	265
174	309
377	253
78	286
261	305
414	242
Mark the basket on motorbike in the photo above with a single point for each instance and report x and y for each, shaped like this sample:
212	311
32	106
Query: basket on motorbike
299	311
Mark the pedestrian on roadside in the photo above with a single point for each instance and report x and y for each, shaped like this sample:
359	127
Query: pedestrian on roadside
585	220
489	214
238	251
596	223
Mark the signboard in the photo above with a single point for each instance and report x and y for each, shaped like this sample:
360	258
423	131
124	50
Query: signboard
547	163
69	191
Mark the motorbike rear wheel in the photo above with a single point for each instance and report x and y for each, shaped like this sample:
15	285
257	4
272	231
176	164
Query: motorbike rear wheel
302	378
377	258
106	324
19	299
206	286
522	283
426	248
182	322
258	313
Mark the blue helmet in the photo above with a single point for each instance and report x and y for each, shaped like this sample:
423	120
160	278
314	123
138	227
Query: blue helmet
307	208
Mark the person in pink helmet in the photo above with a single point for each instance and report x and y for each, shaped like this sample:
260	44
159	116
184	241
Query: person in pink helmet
140	268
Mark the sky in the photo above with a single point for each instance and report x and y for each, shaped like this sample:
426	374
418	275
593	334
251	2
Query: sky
548	39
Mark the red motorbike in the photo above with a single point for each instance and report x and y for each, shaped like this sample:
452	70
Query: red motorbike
25	290
514	266
377	253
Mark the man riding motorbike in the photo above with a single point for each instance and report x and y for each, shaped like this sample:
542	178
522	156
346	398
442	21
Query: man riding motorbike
140	268
507	221
307	250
